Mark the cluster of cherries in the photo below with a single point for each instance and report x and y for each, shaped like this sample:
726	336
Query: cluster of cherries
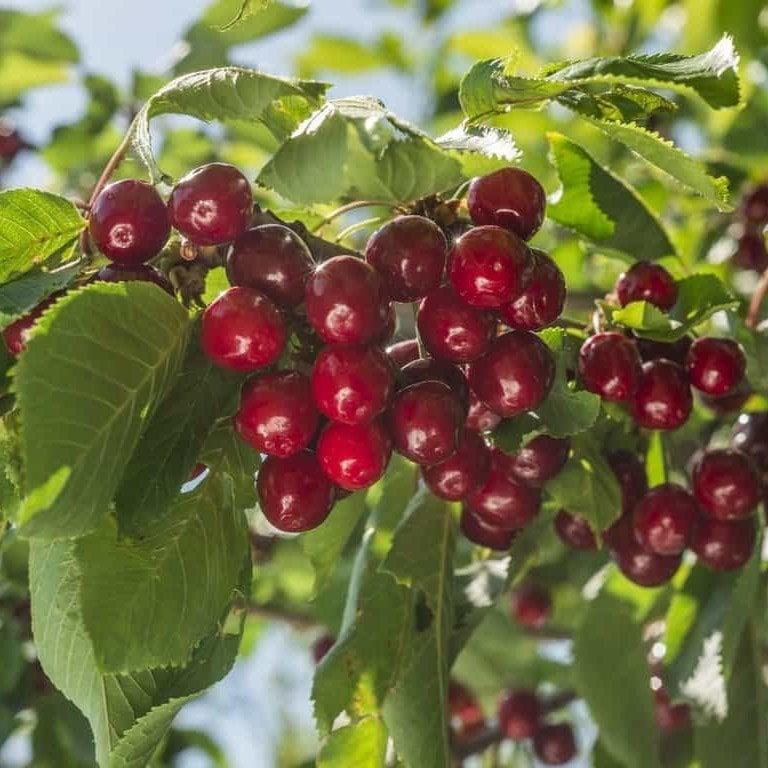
749	230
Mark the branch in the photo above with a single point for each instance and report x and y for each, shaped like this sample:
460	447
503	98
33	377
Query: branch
757	300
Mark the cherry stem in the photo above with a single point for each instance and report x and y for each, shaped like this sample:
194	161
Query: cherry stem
757	301
110	168
355	227
353	207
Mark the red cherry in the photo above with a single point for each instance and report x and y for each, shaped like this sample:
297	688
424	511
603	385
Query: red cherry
345	301
509	197
11	142
676	351
669	716
647	569
322	646
726	485
632	478
754	205
294	493
485	534
730	403
426	422
429	369
352	384
466	470
409	255
514	375
751	252
277	415
610	366
480	417
750	436
645	281
212	204
716	366
541	303
129	222
452	330
272	259
242	330
403	352
519	713
663	399
574	531
554	744
465	712
17	334
537	462
388	326
489	267
141	273
664	519
531	606
724	545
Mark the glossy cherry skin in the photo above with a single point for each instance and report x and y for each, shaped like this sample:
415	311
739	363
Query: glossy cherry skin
537	462
429	369
676	351
452	330
322	646
750	436
664	519
409	255
467	469
730	403
354	456
669	716
480	417
726	485
542	301
663	399
403	352
754	205
294	493
715	366
647	569
519	713
531	606
388	326
17	334
632	478
724	545
127	273
129	222
277	415
574	531
489	267
272	259
352	384
645	281
477	530
242	330
212	204
345	301
515	375
751	251
554	744
466	714
510	198
609	365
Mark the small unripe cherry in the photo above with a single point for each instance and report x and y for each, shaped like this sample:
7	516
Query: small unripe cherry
645	281
531	606
715	366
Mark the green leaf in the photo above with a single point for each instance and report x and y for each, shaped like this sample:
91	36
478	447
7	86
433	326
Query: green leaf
363	744
62	737
36	35
480	148
335	53
20	73
601	207
12	662
36	228
82	412
242	22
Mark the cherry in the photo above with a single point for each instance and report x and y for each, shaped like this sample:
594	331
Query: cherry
724	545
354	456
554	744
542	301
11	142
489	267
519	712
129	222
751	252
754	205
676	351
480	417
242	330
730	403
609	364
574	531
645	281
466	470
388	327
663	399
294	493
632	478
452	330
403	352
514	375
322	646
485	534
664	519
716	366
352	384
17	334
509	197
465	712
531	606
345	301
537	462
429	369
426	422
669	716
272	259
644	568
409	255
726	485
212	204
141	273
750	436
276	414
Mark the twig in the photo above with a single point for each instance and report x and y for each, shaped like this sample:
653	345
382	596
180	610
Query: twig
294	619
341	210
757	300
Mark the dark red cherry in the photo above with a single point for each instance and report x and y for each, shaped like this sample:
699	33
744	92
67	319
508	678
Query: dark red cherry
537	462
129	222
322	646
664	519
485	534
541	303
750	436
277	415
467	469
127	273
754	205
242	330
574	531
403	352
346	302
465	713
724	545
632	478
294	493
730	403
554	744
409	255
676	351
610	366
272	259
387	327
669	716
352	384
531	606
212	204
426	421
751	252
519	713
663	399
515	375
11	142
17	334
429	369
452	330
489	267
480	417
354	456
645	281
726	485
647	569
715	366
510	198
